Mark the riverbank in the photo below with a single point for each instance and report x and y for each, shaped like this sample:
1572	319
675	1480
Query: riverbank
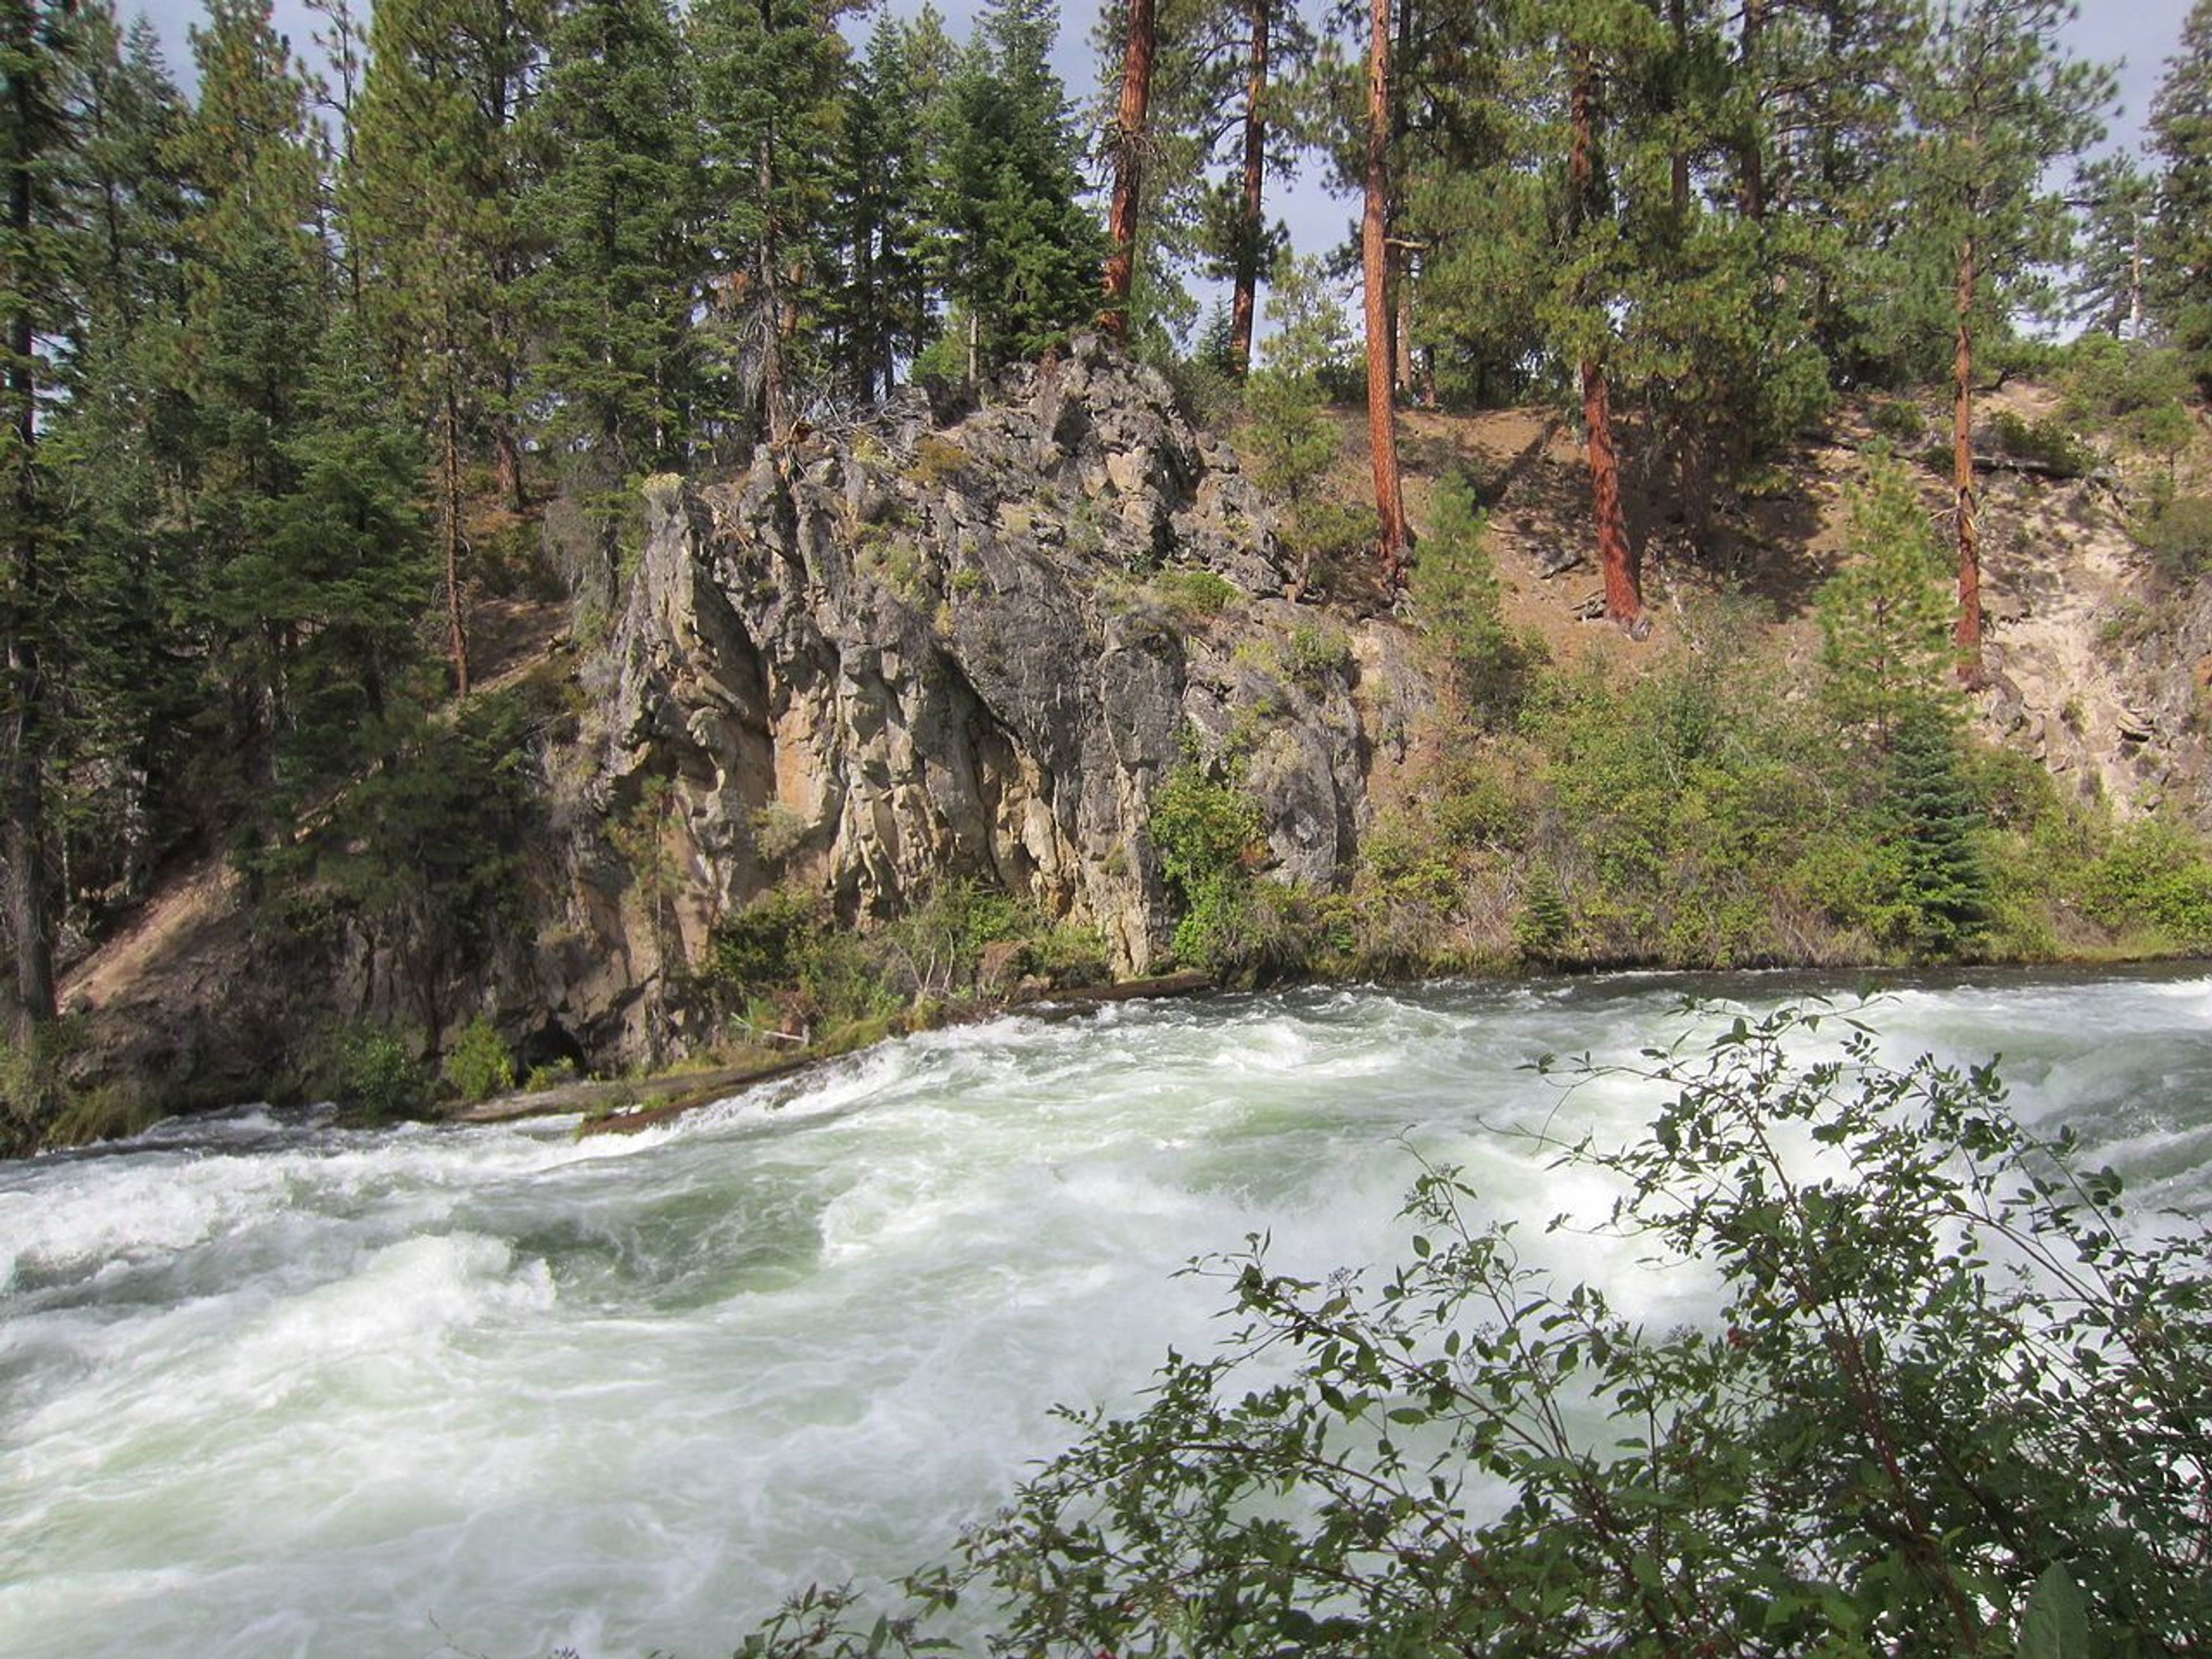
627	1105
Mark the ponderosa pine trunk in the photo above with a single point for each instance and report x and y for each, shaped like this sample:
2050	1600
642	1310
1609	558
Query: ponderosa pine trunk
1251	228
1678	19
1374	259
1969	630
1128	169
1751	187
1624	598
457	635
29	909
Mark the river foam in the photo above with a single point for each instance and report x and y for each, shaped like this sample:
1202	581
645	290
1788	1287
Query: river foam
268	1386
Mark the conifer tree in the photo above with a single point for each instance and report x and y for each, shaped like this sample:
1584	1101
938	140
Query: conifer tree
1942	888
2112	279
1375	271
258	301
882	309
35	140
1885	622
1127	140
768	75
1998	105
2181	135
617	207
1023	254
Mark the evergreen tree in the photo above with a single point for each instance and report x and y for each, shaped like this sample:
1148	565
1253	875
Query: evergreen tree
1941	893
1127	140
1022	254
259	304
127	683
769	74
2113	278
2181	135
36	308
1885	651
617	207
432	192
1997	104
341	557
882	309
1375	270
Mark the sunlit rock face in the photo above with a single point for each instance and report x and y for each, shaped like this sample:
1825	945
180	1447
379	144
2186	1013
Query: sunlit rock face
974	649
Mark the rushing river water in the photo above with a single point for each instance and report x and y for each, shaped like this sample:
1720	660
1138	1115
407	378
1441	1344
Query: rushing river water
270	1387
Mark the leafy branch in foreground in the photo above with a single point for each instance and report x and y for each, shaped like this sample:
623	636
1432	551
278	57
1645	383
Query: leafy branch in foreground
1949	1403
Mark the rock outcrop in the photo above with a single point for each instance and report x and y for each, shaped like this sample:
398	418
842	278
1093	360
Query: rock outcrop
919	651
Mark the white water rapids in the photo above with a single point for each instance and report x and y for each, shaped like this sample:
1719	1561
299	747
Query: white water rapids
269	1388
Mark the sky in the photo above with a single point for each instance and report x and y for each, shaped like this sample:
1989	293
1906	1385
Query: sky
2139	34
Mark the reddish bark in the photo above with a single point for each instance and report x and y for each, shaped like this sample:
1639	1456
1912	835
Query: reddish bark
1374	259
1129	167
1623	599
1247	277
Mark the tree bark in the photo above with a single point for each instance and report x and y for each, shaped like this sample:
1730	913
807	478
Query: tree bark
29	903
1129	126
1969	630
1678	18
1374	254
457	637
1751	189
1251	229
1624	598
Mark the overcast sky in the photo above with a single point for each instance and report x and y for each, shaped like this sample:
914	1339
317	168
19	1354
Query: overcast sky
2139	34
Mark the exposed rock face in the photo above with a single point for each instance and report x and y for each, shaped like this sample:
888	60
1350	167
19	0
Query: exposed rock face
976	650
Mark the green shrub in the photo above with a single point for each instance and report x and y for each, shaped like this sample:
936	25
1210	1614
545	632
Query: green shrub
2156	875
2048	442
1899	420
374	1074
1194	598
478	1065
2178	537
765	944
1315	651
1541	928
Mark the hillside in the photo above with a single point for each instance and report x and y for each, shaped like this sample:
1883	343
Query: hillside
994	648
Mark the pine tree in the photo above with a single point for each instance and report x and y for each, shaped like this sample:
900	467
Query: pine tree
882	309
1127	140
2113	278
1998	105
1943	890
1023	254
2181	135
1375	274
259	301
768	75
35	140
1885	622
438	164
120	451
617	208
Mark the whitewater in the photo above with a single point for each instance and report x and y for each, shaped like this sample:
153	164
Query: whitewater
272	1387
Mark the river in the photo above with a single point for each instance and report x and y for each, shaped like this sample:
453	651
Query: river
269	1387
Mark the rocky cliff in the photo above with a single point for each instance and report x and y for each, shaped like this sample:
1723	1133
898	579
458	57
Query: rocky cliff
918	650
